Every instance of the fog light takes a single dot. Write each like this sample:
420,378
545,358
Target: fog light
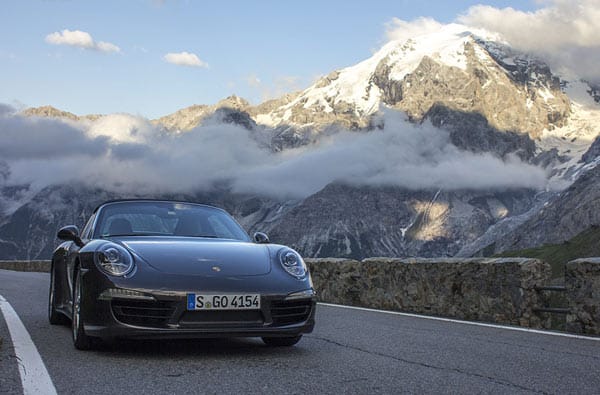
309,293
120,293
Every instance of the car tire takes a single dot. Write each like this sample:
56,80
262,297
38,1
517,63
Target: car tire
281,341
81,341
55,317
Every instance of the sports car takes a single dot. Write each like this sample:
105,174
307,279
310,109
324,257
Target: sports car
169,269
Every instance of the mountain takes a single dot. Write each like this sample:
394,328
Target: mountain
233,110
360,222
573,210
52,112
489,98
453,68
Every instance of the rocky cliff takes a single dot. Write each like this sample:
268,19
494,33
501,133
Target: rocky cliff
358,222
562,217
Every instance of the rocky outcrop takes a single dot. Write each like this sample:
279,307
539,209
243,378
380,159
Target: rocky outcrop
566,214
493,290
485,88
52,112
472,132
357,222
593,152
582,280
233,109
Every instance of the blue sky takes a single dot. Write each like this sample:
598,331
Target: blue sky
253,49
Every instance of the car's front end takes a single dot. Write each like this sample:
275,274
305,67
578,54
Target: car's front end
156,286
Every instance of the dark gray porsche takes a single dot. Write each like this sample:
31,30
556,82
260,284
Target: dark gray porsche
166,269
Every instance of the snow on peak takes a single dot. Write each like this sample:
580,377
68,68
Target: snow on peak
445,44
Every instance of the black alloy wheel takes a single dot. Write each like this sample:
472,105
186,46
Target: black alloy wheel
80,340
54,316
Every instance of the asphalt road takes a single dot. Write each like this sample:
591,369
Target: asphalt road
350,351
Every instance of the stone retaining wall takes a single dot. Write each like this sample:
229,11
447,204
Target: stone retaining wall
493,290
498,290
26,266
582,280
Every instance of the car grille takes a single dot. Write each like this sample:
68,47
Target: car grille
290,312
143,313
222,318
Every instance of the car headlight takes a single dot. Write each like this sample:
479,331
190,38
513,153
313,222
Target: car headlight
292,263
114,259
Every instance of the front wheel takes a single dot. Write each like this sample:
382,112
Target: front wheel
281,341
81,341
54,316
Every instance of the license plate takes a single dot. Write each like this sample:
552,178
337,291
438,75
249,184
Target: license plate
223,302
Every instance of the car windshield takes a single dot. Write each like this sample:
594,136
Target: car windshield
147,218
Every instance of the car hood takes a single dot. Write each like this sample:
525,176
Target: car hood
198,256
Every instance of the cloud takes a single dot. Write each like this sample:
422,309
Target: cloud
402,154
23,138
80,39
253,81
401,30
185,59
565,32
5,109
129,154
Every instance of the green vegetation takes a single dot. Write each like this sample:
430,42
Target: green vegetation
585,244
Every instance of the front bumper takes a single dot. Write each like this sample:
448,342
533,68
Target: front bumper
165,315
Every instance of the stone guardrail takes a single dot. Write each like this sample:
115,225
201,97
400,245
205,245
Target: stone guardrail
499,290
26,266
582,280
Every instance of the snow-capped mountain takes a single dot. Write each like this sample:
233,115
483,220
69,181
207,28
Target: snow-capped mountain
456,68
489,98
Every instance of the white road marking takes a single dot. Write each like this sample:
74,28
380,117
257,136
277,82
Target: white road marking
510,328
34,376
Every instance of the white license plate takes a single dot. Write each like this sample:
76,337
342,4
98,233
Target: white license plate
223,302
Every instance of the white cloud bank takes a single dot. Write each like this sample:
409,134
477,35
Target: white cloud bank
565,32
185,59
129,154
80,39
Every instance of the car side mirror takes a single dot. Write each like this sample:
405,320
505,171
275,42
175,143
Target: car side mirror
261,238
70,233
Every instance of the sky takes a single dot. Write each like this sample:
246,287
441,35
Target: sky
151,58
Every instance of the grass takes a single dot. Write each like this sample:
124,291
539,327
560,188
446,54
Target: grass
586,244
